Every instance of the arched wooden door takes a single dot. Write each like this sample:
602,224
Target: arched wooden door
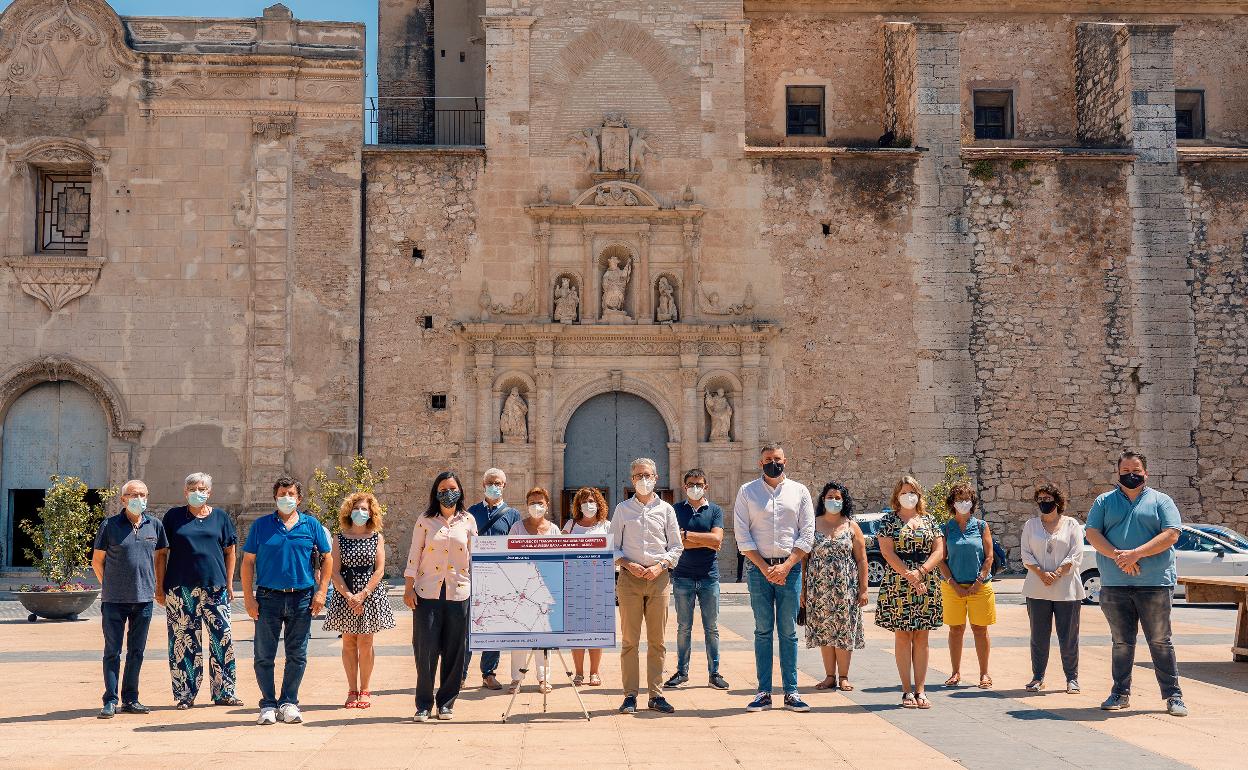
604,435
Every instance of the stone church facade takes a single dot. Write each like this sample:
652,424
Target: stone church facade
880,233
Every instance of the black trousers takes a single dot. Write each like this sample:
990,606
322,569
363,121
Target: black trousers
1042,614
439,636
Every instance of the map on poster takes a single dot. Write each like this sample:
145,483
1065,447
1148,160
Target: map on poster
544,592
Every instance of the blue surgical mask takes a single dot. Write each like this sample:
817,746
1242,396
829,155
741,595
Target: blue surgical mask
360,517
494,492
137,505
197,498
833,506
287,504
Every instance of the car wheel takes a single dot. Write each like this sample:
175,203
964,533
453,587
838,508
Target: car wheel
1091,586
875,572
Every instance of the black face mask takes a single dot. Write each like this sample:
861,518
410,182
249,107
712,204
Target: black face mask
1130,480
1048,506
773,470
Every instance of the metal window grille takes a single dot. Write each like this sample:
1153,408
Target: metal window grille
994,115
64,219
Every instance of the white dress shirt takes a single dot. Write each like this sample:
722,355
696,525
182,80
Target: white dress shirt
646,534
1048,552
774,521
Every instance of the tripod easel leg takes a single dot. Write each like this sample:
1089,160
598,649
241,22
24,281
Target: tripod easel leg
568,673
528,662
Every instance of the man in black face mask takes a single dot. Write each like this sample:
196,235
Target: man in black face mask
1133,529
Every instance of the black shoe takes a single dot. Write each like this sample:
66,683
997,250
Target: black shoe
109,711
660,704
134,707
629,706
227,701
677,680
718,682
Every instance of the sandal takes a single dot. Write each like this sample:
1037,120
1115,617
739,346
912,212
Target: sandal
844,686
954,680
228,700
515,687
921,701
985,682
363,702
828,683
1035,685
908,701
353,697
594,680
578,680
544,687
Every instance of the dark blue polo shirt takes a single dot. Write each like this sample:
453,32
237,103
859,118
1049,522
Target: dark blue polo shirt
129,558
698,563
197,548
284,556
502,515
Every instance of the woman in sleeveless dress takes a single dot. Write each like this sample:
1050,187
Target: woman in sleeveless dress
834,586
360,606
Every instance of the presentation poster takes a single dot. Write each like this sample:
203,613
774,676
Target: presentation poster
547,592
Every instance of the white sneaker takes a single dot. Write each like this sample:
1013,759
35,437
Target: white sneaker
268,716
289,713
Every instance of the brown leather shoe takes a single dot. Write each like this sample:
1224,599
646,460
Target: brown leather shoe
490,682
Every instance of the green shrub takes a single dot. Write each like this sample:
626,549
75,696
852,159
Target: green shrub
325,495
955,472
65,530
982,170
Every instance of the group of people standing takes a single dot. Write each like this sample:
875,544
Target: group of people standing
807,565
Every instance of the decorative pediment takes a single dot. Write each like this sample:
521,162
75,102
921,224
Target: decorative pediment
55,280
616,194
65,49
54,152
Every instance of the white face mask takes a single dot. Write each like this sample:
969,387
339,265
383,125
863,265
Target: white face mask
287,503
697,492
645,486
537,511
589,509
962,506
908,500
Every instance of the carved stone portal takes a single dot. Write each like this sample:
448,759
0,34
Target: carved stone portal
513,423
56,280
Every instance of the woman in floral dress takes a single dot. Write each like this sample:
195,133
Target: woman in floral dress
834,586
909,601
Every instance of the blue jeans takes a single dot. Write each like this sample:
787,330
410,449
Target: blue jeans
775,607
706,592
1128,609
288,615
114,618
489,663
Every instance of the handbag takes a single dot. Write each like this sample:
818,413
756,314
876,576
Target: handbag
801,610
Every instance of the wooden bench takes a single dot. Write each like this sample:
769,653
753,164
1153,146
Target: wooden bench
1224,590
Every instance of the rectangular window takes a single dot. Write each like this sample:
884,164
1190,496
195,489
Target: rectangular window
804,110
64,216
1189,114
994,114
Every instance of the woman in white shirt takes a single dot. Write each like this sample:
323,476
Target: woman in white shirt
589,517
1052,546
534,522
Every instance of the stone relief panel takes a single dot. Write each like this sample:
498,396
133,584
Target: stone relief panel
63,50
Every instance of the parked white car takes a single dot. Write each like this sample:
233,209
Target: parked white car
1196,553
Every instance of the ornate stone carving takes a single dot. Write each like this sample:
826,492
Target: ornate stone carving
58,152
713,305
63,50
613,148
614,289
21,378
272,128
245,208
543,195
720,412
55,280
614,195
513,423
521,303
665,310
513,348
585,145
614,348
720,349
567,301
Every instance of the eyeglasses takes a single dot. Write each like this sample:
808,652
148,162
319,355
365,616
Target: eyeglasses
640,476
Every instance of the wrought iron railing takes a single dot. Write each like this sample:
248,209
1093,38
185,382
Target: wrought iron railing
443,120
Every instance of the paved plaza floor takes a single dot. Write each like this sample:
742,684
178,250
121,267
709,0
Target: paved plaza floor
51,684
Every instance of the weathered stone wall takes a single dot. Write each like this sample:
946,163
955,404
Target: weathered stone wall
1050,334
1209,55
1100,90
900,93
1218,200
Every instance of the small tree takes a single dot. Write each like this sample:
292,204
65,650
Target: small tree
325,495
66,529
955,472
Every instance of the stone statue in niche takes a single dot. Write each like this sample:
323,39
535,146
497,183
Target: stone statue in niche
720,411
514,420
614,288
666,311
567,301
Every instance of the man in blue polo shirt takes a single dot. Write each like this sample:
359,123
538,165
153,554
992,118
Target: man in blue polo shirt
125,563
282,594
494,518
696,577
1133,529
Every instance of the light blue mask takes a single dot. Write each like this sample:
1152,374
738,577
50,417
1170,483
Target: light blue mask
360,517
197,498
833,506
287,504
494,492
137,505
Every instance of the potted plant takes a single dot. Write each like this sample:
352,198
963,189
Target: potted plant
63,536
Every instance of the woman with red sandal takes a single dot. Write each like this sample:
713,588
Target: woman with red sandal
360,606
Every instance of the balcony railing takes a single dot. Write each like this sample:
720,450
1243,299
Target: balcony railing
442,120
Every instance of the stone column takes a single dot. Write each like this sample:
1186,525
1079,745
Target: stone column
591,293
721,68
690,417
693,273
545,286
484,375
645,292
544,421
507,84
925,65
748,407
1125,92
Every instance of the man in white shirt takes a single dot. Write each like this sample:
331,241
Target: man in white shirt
647,547
774,522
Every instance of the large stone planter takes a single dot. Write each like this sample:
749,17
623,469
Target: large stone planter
56,605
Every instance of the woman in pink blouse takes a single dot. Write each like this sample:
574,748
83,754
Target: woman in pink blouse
437,589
